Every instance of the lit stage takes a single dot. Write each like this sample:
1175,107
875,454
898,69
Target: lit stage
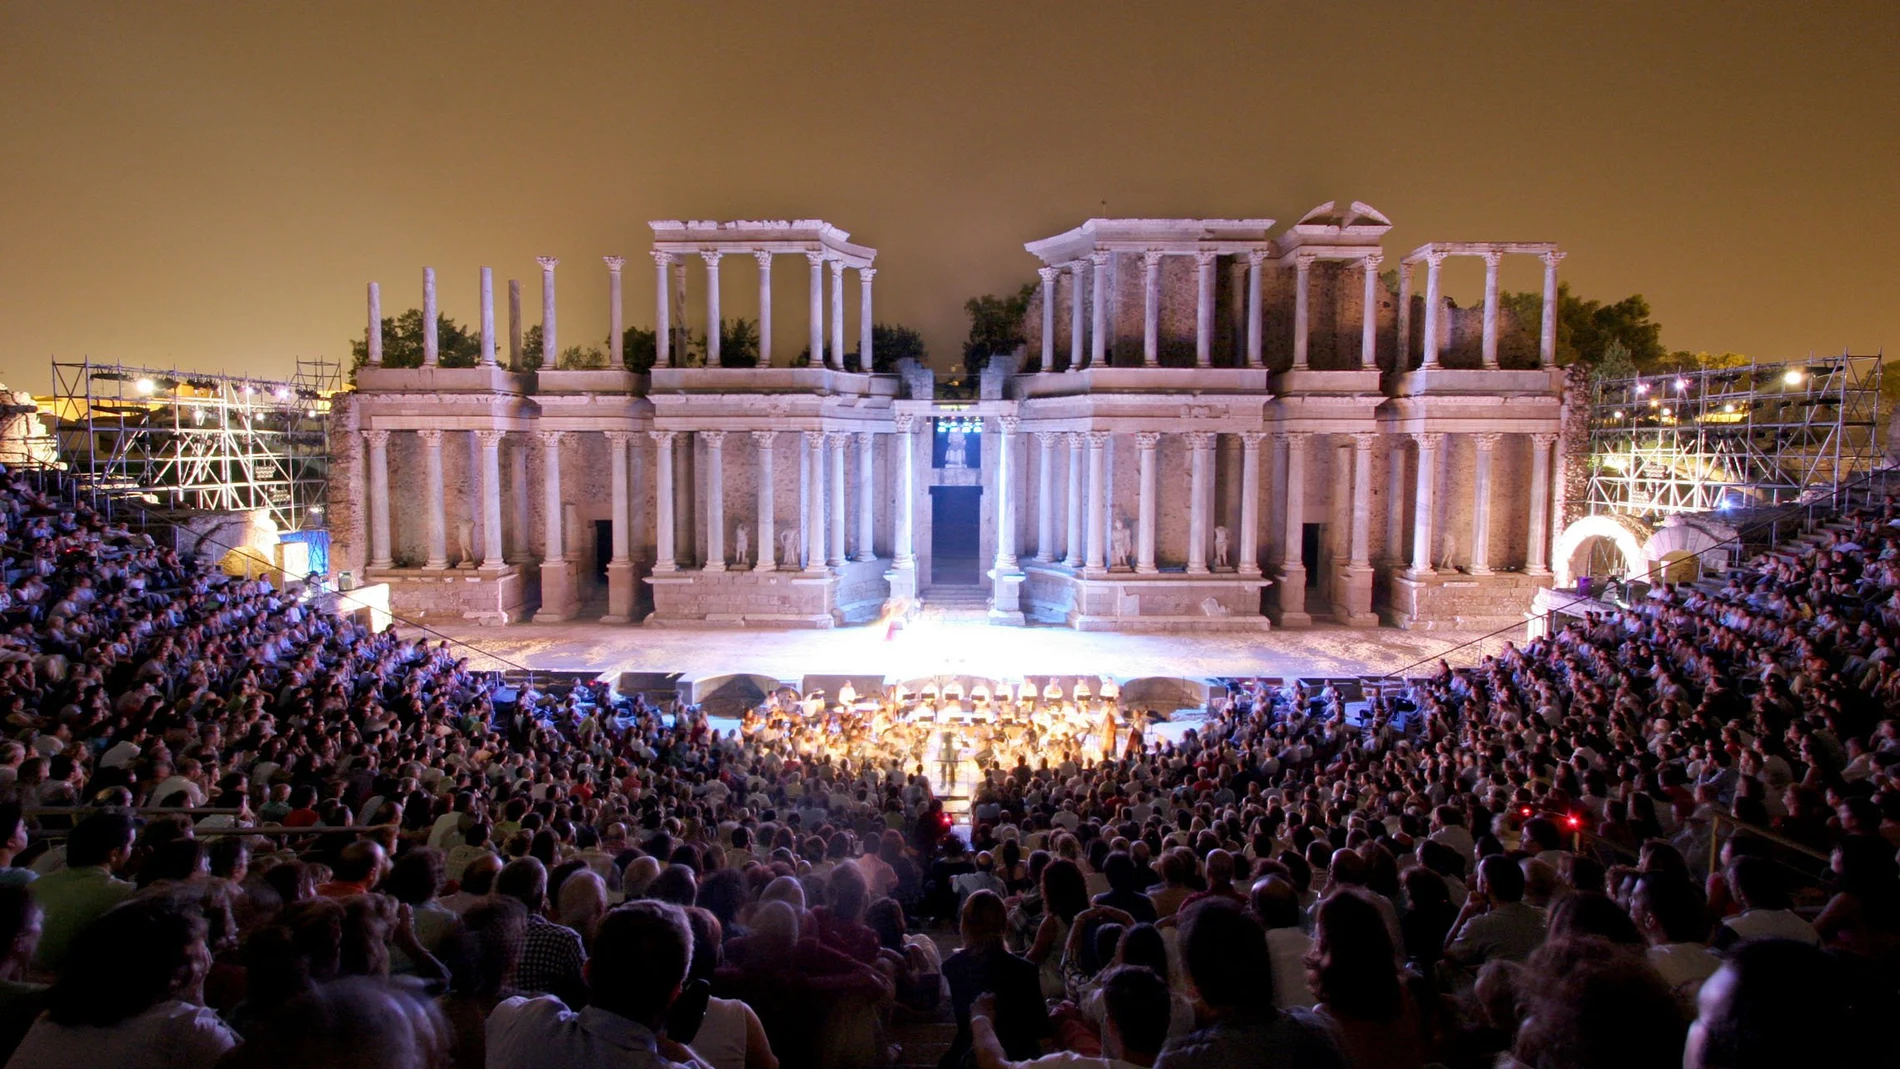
931,647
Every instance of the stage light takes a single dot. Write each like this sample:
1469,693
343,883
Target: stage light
146,386
1642,387
1667,411
1682,385
1618,414
1573,822
1524,812
1792,376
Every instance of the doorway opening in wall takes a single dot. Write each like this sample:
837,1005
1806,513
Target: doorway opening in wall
1310,535
956,535
603,548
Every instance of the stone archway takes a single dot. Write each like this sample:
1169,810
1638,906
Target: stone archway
1703,540
1625,534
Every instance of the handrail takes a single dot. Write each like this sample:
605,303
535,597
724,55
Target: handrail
1715,841
262,829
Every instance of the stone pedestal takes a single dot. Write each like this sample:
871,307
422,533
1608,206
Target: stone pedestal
1006,605
1352,596
620,580
1455,601
559,583
494,596
813,598
1171,602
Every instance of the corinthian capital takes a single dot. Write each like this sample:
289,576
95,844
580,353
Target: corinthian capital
1428,439
903,421
713,439
377,439
548,263
614,263
1146,441
490,439
664,438
765,439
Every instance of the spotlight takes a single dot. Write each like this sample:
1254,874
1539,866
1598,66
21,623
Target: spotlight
1667,411
1792,376
1682,385
1642,387
1728,407
1618,414
146,386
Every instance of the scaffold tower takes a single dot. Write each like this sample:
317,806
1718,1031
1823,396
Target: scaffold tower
1746,436
172,440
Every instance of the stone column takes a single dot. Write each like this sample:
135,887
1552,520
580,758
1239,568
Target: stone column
490,441
1302,319
432,491
1145,503
765,538
1536,557
373,338
1074,548
1204,309
1481,504
865,322
430,352
1403,361
557,582
379,556
1005,497
1395,505
620,568
1433,261
616,316
1078,285
1096,561
1098,311
814,503
1253,308
904,552
1547,323
817,314
1360,552
867,497
1422,505
663,525
835,556
1151,309
715,560
514,324
1490,337
1201,445
518,498
837,313
1249,560
1292,577
488,317
713,315
1045,495
1369,319
550,343
764,259
1048,277
663,310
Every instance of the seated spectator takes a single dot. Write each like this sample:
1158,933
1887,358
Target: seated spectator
1778,1002
1137,1012
552,955
1495,924
1669,911
1372,1006
985,966
1588,1004
1757,887
79,894
130,995
356,1023
20,1001
730,1035
1276,905
1124,892
1225,952
642,953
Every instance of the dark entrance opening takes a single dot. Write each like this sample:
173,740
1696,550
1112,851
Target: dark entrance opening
603,548
1309,552
956,535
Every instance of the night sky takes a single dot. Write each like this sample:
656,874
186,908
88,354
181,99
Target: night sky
210,185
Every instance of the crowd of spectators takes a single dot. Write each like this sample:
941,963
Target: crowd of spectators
239,829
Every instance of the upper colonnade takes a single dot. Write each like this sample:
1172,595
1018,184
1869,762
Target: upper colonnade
819,242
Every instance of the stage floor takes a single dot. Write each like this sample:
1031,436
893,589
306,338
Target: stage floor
933,647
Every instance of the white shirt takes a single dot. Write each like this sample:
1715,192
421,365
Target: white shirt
542,1033
1683,964
721,1040
1773,924
1287,949
170,1034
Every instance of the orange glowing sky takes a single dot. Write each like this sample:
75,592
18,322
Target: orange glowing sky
209,185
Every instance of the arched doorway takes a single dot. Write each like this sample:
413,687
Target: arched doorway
1679,566
1601,547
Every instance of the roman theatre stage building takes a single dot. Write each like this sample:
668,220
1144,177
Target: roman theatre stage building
1213,426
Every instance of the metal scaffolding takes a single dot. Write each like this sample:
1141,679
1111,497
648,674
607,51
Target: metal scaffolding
1749,436
190,441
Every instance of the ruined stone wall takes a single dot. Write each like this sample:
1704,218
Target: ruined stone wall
346,508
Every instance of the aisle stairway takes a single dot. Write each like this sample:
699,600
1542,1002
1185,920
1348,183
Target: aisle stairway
956,603
923,1039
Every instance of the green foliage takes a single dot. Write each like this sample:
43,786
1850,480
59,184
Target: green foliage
996,326
575,358
531,349
640,349
890,342
739,343
402,343
1587,329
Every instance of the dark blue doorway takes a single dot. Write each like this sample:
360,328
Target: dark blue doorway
956,535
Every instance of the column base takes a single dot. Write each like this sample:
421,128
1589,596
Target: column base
436,565
715,566
1536,569
1147,569
382,565
1291,609
1006,607
1475,570
1352,596
1248,572
619,592
865,558
558,602
1198,569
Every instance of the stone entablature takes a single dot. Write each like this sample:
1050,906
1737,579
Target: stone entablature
1112,495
